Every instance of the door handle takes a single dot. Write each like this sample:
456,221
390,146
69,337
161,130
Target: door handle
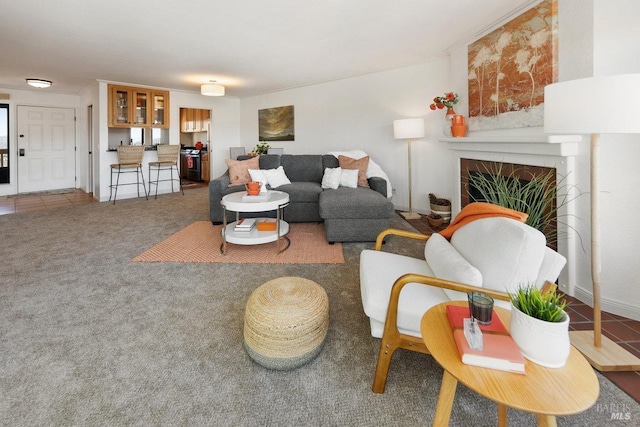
21,152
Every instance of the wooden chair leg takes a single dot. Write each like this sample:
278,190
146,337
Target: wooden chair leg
387,348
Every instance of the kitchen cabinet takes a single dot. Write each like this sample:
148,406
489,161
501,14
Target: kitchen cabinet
205,167
194,120
186,120
204,120
160,109
138,107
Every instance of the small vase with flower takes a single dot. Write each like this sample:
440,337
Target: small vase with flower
447,101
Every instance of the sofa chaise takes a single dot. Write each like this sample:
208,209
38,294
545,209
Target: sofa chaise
349,214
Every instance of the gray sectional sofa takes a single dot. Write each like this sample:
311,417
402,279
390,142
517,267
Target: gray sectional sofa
349,214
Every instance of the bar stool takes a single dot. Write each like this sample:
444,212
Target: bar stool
168,156
129,161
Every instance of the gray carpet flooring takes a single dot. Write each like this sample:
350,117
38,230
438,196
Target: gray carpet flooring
89,338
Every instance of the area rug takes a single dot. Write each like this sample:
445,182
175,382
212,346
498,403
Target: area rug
200,242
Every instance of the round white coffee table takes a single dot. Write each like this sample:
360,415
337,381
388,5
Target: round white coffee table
239,202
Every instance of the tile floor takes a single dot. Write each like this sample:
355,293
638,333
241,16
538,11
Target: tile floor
623,331
56,199
42,201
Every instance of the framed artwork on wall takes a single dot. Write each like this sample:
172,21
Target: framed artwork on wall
509,68
276,124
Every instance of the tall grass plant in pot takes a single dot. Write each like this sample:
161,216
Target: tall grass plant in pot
541,197
540,326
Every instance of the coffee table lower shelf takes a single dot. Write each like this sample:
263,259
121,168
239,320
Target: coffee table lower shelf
255,237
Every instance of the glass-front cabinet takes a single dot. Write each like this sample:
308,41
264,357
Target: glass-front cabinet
160,111
119,106
141,116
137,106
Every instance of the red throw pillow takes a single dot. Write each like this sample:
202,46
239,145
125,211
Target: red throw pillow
239,170
360,164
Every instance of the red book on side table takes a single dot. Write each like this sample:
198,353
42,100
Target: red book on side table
499,350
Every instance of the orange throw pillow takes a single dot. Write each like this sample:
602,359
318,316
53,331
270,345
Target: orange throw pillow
360,164
239,170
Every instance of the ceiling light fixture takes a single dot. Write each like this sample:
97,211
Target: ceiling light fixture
39,83
212,89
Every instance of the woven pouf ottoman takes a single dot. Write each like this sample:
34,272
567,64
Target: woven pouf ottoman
286,322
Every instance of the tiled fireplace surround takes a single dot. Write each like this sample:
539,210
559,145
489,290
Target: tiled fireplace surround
537,150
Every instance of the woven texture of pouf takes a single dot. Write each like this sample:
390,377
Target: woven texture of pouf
286,322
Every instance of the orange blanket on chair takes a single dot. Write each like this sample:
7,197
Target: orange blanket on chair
478,210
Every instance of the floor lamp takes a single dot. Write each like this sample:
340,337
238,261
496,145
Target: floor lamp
409,129
582,107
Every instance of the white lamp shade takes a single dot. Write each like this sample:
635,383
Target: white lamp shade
211,89
408,128
603,104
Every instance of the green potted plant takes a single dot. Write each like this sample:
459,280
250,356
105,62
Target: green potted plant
541,197
540,325
262,148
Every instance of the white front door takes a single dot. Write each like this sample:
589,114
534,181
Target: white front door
46,149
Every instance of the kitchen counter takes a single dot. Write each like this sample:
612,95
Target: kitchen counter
147,148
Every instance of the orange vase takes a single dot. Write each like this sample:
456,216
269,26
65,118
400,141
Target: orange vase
458,126
446,129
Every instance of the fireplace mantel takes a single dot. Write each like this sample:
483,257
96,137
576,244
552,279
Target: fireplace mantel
552,151
539,144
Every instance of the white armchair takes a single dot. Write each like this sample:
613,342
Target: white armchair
491,255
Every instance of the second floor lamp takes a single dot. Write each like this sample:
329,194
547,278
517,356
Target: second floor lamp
409,129
581,107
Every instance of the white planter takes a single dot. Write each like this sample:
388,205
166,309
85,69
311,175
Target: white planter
544,343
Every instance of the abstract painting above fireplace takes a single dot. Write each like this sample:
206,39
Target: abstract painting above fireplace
509,68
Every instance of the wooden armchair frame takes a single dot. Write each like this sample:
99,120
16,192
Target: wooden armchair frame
392,339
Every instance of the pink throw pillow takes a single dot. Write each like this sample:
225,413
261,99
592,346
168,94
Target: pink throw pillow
360,164
239,170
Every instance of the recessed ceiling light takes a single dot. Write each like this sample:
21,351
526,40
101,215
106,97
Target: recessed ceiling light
39,83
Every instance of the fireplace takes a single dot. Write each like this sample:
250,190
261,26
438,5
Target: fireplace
536,154
526,175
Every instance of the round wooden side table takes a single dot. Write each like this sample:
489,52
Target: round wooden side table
546,392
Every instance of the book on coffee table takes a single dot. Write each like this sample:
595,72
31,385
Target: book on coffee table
499,350
261,197
245,224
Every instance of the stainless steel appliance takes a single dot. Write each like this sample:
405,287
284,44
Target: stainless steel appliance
191,164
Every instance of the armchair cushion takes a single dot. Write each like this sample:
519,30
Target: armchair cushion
447,263
551,267
506,251
378,271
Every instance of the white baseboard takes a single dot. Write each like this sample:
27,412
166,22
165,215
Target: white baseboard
613,307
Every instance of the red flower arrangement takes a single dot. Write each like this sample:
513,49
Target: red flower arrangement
448,100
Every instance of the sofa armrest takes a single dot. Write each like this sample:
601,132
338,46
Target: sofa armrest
216,190
378,184
400,233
